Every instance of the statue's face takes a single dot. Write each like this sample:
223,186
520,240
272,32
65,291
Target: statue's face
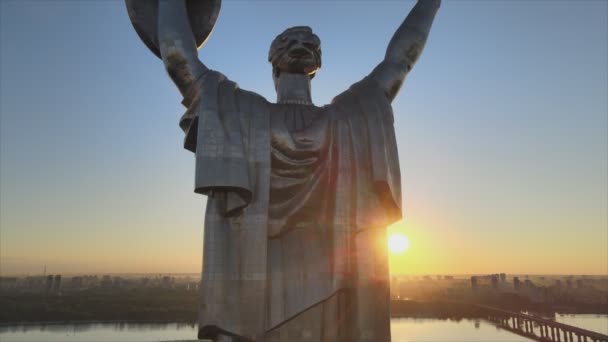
297,50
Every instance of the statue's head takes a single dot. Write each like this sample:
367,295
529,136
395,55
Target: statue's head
297,50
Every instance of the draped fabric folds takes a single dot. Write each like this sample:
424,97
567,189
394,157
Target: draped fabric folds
298,201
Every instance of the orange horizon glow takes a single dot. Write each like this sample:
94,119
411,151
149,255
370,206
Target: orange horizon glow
431,250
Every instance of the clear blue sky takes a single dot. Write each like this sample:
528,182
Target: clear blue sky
502,132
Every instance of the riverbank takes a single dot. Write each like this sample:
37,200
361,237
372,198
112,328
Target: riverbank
141,305
157,305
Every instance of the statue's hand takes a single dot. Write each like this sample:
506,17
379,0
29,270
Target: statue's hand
177,43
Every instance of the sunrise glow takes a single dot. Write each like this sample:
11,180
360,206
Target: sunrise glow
398,243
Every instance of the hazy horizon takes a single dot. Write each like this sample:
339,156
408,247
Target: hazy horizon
457,275
502,130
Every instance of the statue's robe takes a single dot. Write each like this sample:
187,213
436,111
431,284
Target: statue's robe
299,198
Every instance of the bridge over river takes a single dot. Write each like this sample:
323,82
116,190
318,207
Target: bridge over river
538,328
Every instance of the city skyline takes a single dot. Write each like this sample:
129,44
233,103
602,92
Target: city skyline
501,128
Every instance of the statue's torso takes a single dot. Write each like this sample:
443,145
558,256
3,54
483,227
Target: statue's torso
298,150
287,251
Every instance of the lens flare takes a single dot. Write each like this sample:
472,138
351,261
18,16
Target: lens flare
398,243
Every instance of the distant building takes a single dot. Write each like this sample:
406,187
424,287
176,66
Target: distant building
118,282
57,283
474,285
106,282
494,280
579,283
516,283
49,282
503,277
76,283
36,283
91,281
167,282
8,283
192,286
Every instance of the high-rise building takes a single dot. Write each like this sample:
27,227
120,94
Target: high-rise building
49,282
516,283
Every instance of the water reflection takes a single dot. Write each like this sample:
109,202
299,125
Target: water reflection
98,332
402,330
461,330
597,323
83,327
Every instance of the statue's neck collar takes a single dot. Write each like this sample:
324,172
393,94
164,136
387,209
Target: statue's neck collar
293,88
300,102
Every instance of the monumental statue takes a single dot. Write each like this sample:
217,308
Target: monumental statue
298,195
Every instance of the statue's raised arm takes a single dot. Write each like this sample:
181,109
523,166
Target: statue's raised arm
177,45
173,30
405,47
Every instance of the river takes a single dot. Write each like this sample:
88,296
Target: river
402,330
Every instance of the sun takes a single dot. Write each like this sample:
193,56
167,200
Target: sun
398,243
